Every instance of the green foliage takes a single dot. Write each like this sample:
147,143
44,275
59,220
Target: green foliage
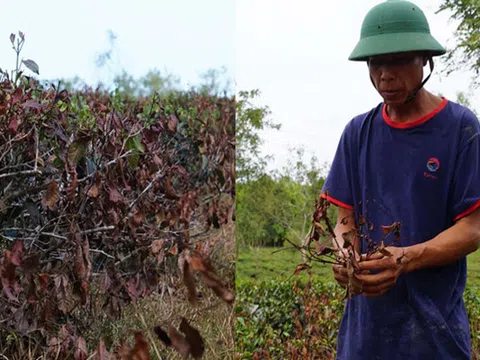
265,264
464,99
273,319
279,320
250,120
279,206
466,52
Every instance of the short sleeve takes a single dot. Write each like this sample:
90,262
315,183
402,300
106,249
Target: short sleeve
337,188
465,192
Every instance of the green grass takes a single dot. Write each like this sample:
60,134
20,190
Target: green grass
259,264
473,269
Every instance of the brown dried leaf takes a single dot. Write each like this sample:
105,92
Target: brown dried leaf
63,290
189,281
179,342
141,350
172,123
124,352
169,190
388,229
160,217
157,160
349,238
194,339
44,281
94,191
210,277
73,186
81,352
8,276
17,253
102,353
157,245
113,194
131,287
174,250
51,196
301,268
137,219
162,335
323,249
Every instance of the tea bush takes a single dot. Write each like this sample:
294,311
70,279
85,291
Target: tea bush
300,320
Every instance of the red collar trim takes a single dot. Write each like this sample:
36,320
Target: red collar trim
411,124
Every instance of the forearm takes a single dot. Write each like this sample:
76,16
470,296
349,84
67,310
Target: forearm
345,223
447,247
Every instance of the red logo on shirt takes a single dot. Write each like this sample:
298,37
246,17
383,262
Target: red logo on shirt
433,164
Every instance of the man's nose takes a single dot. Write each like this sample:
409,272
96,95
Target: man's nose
386,74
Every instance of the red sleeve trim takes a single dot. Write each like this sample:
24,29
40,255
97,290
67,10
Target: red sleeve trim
337,202
468,211
414,123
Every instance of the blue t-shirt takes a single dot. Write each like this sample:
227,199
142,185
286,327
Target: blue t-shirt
425,174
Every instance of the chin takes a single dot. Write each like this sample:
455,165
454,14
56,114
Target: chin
398,100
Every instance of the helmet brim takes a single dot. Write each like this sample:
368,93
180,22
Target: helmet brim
391,43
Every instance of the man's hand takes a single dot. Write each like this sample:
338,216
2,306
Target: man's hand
340,273
388,268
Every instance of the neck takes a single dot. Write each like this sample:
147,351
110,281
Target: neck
423,103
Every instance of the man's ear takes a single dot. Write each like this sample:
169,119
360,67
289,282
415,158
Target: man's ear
425,60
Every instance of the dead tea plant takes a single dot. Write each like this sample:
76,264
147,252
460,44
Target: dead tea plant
101,196
322,245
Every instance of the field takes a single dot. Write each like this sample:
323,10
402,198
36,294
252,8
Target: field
281,316
263,264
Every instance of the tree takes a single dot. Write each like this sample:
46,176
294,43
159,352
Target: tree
464,99
466,52
279,205
250,119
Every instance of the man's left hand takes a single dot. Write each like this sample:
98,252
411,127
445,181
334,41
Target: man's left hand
388,267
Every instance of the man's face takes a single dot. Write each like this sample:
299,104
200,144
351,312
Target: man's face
396,75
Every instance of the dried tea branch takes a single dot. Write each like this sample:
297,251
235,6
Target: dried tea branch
327,248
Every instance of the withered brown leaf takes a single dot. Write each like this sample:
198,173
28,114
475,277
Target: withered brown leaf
349,238
300,268
194,339
189,281
73,186
81,350
179,342
162,335
94,191
113,194
63,290
157,245
141,350
388,229
51,196
102,353
172,123
210,278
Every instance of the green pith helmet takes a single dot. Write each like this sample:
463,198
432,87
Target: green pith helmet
395,26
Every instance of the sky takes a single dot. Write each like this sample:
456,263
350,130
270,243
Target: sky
296,54
64,37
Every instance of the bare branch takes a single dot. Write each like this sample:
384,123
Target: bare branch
20,173
100,229
158,175
103,253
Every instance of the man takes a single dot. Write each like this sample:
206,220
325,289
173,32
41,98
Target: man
413,159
